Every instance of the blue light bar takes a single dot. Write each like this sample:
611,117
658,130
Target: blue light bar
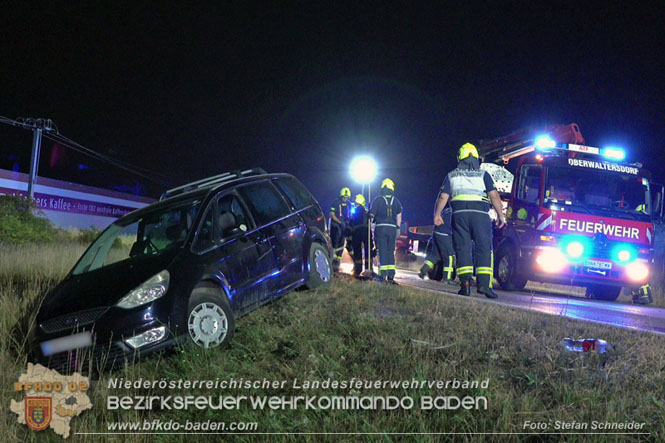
543,142
613,153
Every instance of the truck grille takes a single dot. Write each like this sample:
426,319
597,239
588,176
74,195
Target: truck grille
73,320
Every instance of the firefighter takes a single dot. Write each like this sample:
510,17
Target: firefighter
470,190
386,210
361,238
340,214
440,248
642,295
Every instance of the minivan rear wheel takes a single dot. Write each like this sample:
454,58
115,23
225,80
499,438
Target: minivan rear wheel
320,267
210,321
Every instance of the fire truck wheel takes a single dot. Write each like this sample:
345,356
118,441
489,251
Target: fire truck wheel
505,270
603,292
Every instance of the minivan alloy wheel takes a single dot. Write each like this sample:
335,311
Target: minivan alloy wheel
207,325
322,265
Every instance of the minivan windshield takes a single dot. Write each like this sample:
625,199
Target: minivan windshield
597,190
150,234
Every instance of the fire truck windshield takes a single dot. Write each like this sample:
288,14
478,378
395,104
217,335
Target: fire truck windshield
600,190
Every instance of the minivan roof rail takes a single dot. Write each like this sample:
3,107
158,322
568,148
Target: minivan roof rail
212,181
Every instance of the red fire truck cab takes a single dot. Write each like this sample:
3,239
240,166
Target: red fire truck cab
577,215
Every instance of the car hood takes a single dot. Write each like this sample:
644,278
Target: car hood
104,286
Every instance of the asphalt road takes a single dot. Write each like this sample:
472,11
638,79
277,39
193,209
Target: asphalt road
643,318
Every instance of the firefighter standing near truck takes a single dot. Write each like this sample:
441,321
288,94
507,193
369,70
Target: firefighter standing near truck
470,190
360,235
440,247
386,210
340,214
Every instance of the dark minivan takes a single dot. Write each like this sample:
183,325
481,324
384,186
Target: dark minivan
185,268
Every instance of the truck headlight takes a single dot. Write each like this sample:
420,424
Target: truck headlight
149,290
637,271
552,260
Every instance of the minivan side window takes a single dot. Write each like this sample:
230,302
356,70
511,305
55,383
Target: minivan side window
299,196
265,202
223,220
231,217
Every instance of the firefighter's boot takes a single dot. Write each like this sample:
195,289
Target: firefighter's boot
465,288
425,269
487,292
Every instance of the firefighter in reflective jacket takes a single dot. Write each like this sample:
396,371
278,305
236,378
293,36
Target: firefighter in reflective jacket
470,190
440,247
360,235
340,214
386,211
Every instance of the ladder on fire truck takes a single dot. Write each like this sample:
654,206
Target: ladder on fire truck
520,142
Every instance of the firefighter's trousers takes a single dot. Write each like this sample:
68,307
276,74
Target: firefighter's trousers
337,238
476,225
440,247
361,244
385,242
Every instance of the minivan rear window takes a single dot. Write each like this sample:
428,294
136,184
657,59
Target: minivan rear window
265,202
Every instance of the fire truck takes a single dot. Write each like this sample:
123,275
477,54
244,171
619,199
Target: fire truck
576,215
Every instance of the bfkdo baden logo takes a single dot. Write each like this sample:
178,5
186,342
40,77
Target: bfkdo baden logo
38,412
51,400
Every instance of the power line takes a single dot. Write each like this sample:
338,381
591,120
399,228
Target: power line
163,180
50,131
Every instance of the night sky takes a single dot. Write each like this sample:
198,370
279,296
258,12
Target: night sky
197,90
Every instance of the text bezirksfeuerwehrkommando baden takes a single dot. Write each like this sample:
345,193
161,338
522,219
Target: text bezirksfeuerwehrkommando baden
241,383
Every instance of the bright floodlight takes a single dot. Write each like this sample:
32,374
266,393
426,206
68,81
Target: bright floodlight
363,169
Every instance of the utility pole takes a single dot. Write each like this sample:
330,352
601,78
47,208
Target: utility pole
37,126
34,160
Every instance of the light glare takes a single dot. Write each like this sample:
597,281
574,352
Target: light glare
363,169
544,142
637,271
552,261
575,249
614,153
624,255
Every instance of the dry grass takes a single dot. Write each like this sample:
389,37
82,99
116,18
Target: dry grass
375,332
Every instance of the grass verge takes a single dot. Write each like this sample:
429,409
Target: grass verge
367,331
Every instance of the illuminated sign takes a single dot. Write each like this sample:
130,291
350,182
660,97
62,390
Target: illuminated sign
593,227
602,166
582,148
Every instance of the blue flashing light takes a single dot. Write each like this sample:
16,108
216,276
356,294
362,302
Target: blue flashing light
544,142
624,254
575,247
613,153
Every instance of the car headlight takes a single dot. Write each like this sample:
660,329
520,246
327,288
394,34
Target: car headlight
149,290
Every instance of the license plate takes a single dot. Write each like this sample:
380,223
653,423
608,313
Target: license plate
597,264
81,340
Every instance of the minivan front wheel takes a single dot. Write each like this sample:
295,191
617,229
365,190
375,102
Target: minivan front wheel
210,321
320,267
